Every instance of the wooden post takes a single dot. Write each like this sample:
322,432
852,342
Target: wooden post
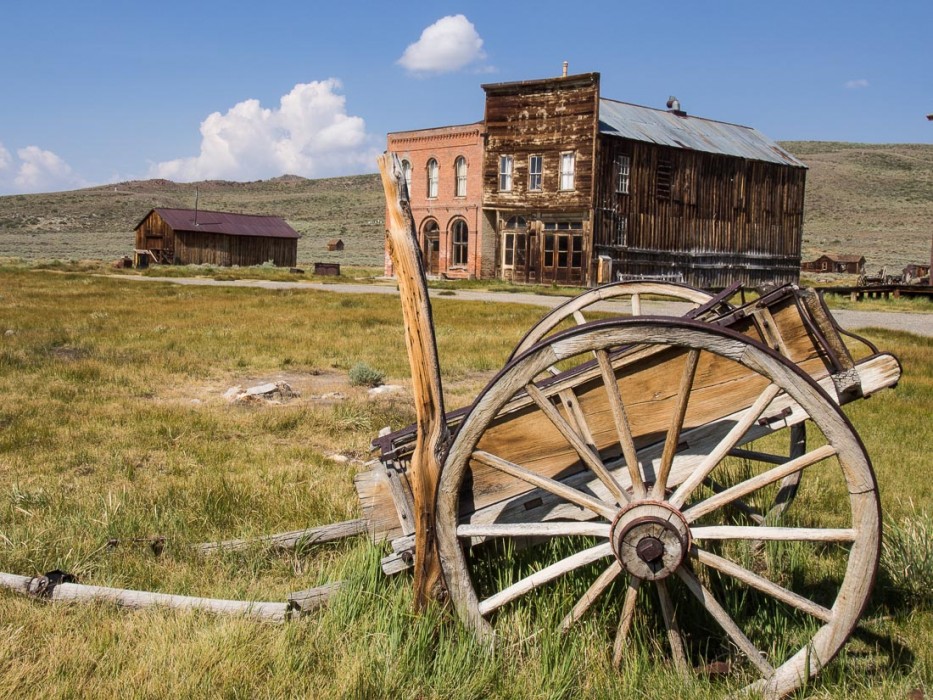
433,436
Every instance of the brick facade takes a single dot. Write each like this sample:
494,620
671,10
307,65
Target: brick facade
442,218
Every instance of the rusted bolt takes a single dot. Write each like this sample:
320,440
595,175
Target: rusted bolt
649,549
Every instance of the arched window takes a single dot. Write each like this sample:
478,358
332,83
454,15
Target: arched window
460,172
516,222
406,170
460,242
432,178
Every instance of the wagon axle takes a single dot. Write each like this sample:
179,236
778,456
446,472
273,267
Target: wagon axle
650,539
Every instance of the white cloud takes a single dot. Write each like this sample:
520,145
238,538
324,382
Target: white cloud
310,134
35,170
448,45
856,84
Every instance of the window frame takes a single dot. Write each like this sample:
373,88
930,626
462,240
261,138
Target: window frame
432,170
406,172
623,173
459,249
535,177
506,174
460,179
567,178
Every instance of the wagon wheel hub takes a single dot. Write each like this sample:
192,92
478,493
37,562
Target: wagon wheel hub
650,539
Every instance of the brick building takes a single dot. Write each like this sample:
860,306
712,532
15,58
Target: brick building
443,170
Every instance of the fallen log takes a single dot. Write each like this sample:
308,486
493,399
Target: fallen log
60,587
290,540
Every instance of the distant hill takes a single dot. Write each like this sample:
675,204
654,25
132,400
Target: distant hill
873,200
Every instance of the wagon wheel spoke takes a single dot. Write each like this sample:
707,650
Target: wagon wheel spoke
752,512
775,534
674,637
719,614
756,482
579,318
625,620
636,304
551,529
762,584
623,428
677,423
679,497
601,583
587,454
552,486
539,578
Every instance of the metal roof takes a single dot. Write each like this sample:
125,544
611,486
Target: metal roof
225,223
680,130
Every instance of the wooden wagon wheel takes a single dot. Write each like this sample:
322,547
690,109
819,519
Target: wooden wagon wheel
615,525
634,291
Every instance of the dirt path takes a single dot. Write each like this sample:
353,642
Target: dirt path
919,324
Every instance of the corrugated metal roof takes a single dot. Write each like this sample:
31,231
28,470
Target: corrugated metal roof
693,133
226,223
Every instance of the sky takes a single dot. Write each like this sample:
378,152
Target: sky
102,91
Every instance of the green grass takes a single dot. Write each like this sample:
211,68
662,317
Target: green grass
112,426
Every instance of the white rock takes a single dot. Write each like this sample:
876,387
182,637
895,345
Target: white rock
233,392
385,431
385,389
261,389
338,458
9,331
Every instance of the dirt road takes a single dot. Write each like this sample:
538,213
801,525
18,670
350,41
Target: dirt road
919,324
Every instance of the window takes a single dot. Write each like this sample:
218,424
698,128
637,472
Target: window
505,173
461,242
665,176
535,164
406,171
623,168
432,178
460,173
621,230
566,171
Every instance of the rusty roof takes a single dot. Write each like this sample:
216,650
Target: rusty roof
225,223
679,130
843,257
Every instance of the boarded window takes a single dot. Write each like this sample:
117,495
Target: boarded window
621,230
665,176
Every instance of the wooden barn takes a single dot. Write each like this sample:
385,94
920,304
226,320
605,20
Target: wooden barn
580,189
197,237
834,262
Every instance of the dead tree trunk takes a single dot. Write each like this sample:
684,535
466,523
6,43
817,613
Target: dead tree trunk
432,436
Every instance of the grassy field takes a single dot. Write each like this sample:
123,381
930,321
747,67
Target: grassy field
868,199
113,426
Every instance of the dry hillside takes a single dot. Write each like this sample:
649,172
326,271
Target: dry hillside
874,200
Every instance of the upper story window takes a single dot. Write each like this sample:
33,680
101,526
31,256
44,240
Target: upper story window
459,242
665,176
432,178
460,173
505,173
567,163
535,167
623,172
406,171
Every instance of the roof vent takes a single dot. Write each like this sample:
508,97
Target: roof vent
566,66
673,104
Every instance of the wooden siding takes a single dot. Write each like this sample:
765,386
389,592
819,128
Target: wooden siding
155,235
196,248
710,218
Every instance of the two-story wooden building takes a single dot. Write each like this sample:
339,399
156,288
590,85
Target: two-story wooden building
569,177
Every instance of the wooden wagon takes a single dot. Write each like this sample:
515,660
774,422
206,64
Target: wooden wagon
636,452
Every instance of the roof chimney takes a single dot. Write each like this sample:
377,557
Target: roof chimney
673,104
566,66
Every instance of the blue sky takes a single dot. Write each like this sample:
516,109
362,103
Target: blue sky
99,91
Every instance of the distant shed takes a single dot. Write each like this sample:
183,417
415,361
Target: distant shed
334,244
189,237
831,262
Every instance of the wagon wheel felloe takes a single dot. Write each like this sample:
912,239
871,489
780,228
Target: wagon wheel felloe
625,504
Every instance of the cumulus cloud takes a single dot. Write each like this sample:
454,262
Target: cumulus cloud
856,84
35,170
448,45
309,134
